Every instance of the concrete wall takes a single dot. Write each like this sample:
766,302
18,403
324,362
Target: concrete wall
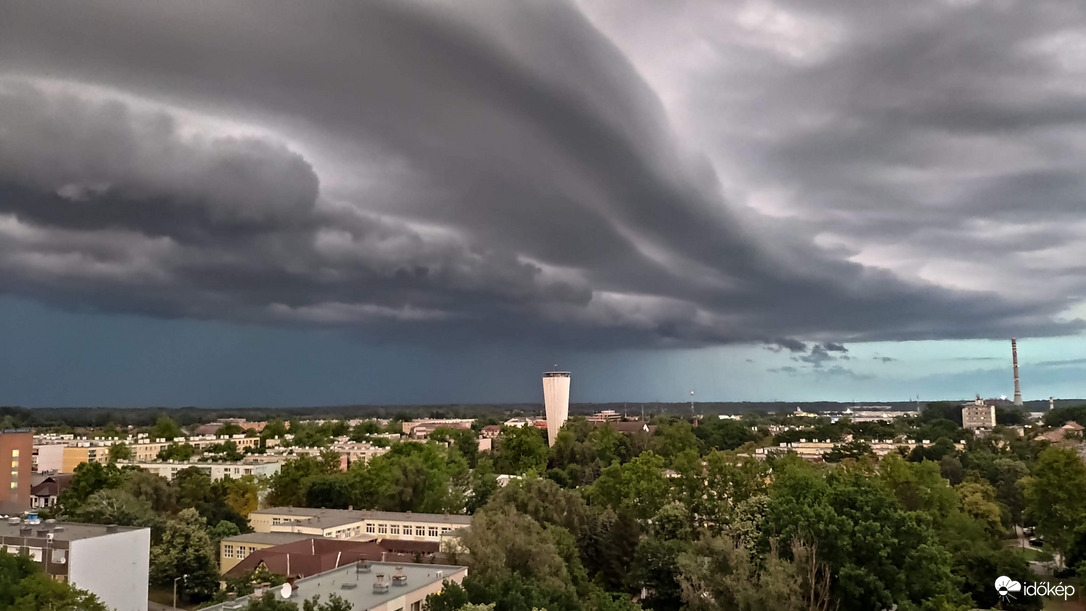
50,457
114,567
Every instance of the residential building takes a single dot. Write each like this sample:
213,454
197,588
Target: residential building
48,457
421,429
369,586
814,449
1061,434
348,523
607,415
47,488
110,562
979,415
16,459
233,550
252,465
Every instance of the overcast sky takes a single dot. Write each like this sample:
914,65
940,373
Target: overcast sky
231,203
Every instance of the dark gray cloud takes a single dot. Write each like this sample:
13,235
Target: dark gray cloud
469,168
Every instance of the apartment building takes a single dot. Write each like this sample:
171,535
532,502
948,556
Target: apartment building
16,459
979,414
814,449
111,562
347,523
372,586
258,466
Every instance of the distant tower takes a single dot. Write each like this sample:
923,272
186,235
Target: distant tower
1014,359
555,401
1051,403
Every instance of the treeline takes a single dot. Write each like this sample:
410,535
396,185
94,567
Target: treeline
696,527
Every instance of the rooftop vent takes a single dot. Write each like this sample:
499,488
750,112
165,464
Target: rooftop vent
349,585
380,586
364,567
399,579
14,520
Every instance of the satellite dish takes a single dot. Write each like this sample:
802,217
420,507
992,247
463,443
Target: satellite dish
285,591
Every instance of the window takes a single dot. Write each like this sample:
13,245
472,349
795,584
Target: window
14,485
382,529
416,606
369,528
395,529
445,529
251,549
228,551
432,531
420,531
407,529
35,553
15,464
275,521
15,453
60,556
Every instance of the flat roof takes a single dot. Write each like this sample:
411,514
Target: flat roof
357,588
67,531
276,538
354,515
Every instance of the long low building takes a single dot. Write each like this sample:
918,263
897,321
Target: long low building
349,523
233,550
217,470
815,449
366,586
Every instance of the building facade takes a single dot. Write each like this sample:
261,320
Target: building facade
216,470
978,415
233,550
16,463
349,524
111,562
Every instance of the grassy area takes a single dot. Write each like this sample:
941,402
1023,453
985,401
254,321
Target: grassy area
1033,554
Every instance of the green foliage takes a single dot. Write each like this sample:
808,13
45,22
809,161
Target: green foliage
116,506
186,549
177,451
1062,415
88,478
725,434
165,428
230,428
638,487
1055,495
119,451
519,450
853,450
23,587
462,441
288,486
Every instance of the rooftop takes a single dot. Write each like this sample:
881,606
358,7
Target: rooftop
267,538
356,514
356,584
61,531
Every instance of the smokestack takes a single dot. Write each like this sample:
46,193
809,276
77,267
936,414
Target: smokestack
1051,403
1014,358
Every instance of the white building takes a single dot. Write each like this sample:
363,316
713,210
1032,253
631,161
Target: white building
111,562
555,401
217,470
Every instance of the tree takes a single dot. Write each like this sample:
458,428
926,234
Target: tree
115,506
243,494
186,549
165,428
1056,495
519,450
228,429
854,450
718,574
153,489
119,451
23,587
288,485
463,441
638,487
177,451
89,477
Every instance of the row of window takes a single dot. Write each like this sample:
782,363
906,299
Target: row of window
228,551
57,556
394,529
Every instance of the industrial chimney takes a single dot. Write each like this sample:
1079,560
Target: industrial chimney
1014,359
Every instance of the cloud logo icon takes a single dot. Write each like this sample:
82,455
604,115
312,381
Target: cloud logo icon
1005,585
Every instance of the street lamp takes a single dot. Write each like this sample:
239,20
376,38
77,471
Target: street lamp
185,577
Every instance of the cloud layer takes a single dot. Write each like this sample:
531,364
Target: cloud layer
434,170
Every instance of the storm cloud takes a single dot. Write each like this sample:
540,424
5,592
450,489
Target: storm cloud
839,173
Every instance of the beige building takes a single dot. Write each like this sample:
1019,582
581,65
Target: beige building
368,586
16,449
978,415
233,550
814,449
349,524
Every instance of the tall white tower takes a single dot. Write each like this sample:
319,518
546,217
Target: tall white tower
555,401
